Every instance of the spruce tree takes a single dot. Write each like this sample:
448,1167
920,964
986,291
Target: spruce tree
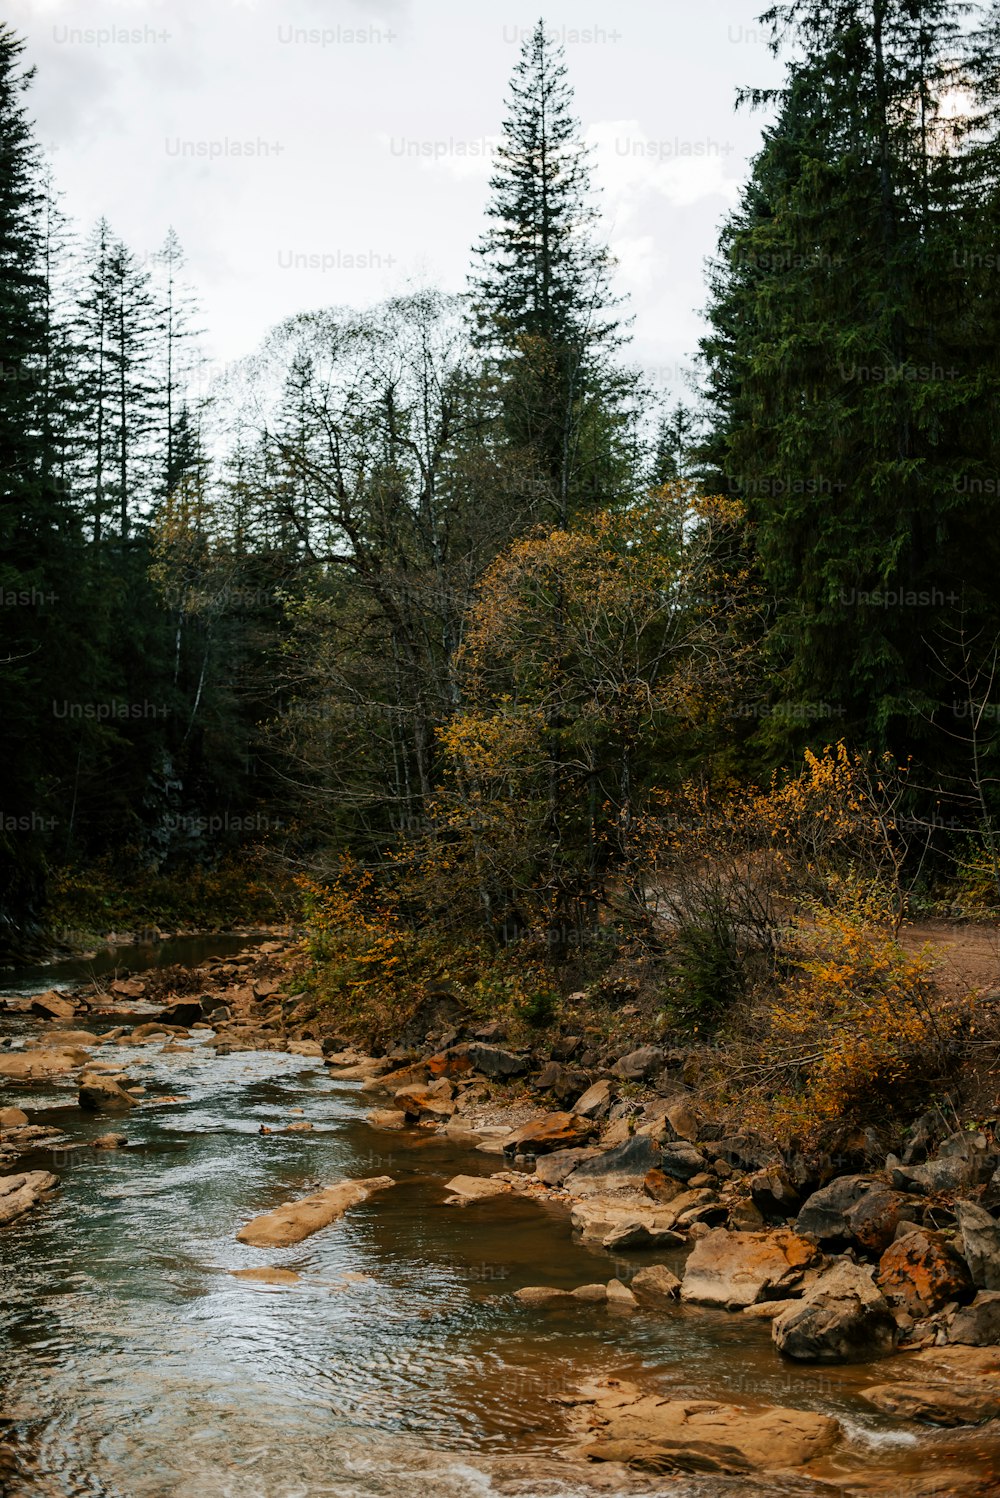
848,380
543,306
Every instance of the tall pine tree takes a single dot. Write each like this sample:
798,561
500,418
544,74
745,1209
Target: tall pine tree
542,299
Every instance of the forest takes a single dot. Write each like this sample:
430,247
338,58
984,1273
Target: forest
429,620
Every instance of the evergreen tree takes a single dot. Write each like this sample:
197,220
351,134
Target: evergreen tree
542,299
848,379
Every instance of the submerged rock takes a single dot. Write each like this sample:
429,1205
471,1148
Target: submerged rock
300,1219
654,1434
943,1386
466,1189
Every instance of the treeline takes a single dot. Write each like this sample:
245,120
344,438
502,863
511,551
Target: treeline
436,586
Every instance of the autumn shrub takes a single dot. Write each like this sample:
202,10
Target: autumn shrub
857,1034
376,967
120,893
726,871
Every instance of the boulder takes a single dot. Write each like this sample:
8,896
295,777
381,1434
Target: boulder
128,988
553,1169
773,1193
185,1012
431,1103
855,1210
946,1386
613,1170
655,1283
842,1318
682,1118
296,1220
978,1324
386,1118
563,1082
963,1160
640,1232
494,1062
104,1095
452,1063
739,1269
620,1297
595,1102
639,1065
466,1189
548,1132
920,1272
417,1074
681,1160
12,1118
19,1193
661,1187
980,1244
650,1433
615,1225
53,1005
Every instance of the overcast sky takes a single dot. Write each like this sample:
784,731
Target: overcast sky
312,152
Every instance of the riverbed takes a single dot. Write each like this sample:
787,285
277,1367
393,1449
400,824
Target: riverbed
136,1365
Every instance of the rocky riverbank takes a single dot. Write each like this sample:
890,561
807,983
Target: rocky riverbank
888,1267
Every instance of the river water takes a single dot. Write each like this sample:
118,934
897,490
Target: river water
134,1364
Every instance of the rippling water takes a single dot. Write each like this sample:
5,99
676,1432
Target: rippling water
135,1365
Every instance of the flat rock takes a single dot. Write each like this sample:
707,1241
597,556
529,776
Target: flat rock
615,1169
659,1435
305,1048
548,1132
33,1065
467,1189
739,1269
552,1170
19,1193
267,1276
620,1225
943,1386
297,1220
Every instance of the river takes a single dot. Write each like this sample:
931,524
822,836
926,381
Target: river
134,1364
